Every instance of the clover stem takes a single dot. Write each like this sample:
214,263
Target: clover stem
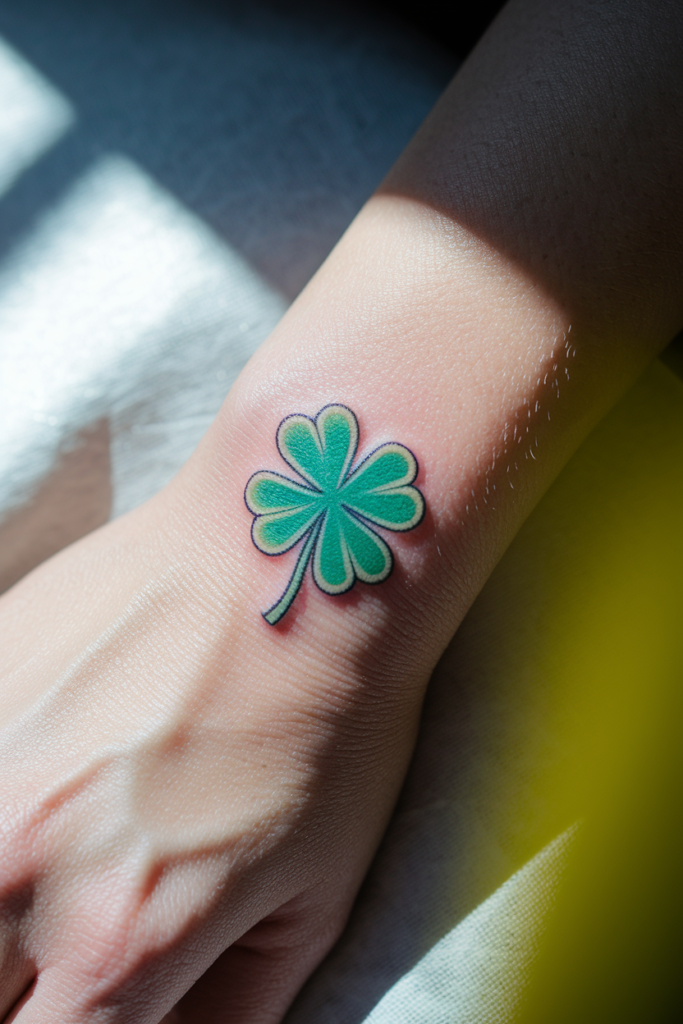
274,614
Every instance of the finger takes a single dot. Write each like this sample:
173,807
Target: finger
256,979
244,986
16,981
26,994
17,972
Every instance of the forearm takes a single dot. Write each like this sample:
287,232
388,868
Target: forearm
516,271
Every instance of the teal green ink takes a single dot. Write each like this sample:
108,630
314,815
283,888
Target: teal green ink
335,507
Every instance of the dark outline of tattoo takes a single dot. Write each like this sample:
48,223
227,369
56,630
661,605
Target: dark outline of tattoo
330,511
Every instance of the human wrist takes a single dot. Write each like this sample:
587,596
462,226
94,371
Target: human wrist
440,344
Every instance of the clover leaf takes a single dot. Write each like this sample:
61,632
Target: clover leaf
335,507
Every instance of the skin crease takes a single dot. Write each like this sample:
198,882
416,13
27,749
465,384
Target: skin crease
184,784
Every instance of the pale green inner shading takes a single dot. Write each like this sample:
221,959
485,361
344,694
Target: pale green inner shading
275,532
269,494
382,469
300,443
370,553
334,569
389,509
338,436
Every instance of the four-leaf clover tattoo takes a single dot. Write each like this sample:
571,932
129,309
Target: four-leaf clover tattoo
335,506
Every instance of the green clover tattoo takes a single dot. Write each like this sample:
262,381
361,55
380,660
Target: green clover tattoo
331,511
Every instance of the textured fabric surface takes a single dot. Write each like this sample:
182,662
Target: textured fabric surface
170,176
173,174
476,973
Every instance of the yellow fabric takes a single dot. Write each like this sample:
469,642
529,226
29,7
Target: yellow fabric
583,618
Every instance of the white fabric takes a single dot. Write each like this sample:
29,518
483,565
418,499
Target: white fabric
477,973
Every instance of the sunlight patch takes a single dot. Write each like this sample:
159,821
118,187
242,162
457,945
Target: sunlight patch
121,304
33,115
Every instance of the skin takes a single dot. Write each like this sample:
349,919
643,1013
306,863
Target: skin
183,784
